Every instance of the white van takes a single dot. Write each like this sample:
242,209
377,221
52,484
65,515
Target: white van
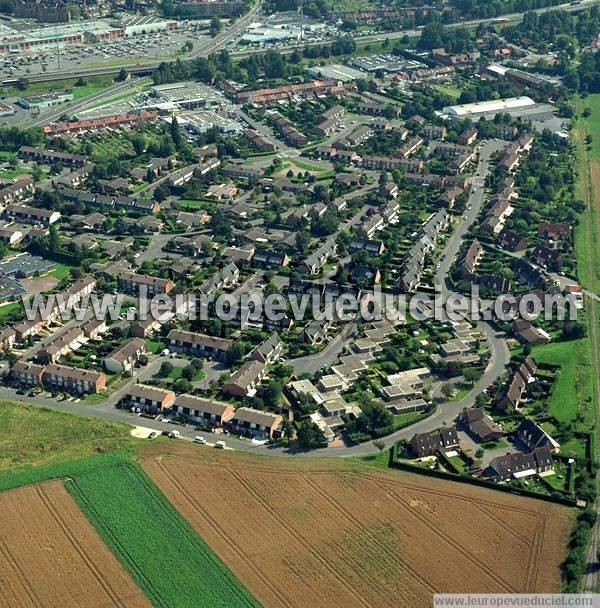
174,434
220,444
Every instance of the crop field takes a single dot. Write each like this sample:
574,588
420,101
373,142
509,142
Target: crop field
313,533
166,558
51,556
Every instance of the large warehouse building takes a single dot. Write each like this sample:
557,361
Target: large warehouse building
468,110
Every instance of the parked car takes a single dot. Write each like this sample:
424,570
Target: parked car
152,435
174,434
220,444
199,439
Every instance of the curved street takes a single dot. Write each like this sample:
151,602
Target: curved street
444,414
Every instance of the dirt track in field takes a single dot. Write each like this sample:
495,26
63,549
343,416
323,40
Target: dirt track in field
308,533
51,557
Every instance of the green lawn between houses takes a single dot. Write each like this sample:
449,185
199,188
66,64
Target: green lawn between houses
171,564
573,385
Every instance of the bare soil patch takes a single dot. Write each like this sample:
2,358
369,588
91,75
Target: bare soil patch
51,557
39,284
304,533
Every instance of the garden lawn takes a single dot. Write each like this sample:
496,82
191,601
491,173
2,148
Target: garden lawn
175,374
402,420
573,383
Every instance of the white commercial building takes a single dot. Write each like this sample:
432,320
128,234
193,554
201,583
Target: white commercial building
189,95
466,110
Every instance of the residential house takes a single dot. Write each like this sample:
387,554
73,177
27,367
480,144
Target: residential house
480,424
31,215
198,345
429,444
28,374
250,421
150,399
124,357
533,437
527,333
512,241
512,393
518,465
135,283
205,412
73,380
244,382
268,350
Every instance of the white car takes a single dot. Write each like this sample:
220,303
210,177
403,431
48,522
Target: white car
200,440
220,444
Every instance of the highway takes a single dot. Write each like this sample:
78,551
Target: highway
227,35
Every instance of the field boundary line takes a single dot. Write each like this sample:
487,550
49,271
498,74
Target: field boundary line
115,544
210,520
185,527
78,548
533,567
525,542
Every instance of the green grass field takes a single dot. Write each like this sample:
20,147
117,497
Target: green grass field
32,436
574,383
593,122
587,237
88,89
61,271
402,420
9,308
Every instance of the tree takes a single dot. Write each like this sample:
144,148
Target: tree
470,375
181,385
234,354
123,75
310,436
139,145
380,445
166,368
271,394
161,192
53,239
215,26
573,330
176,133
447,390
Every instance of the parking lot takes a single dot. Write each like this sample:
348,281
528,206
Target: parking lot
156,45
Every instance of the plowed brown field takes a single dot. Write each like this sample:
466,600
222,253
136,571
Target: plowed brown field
51,557
312,533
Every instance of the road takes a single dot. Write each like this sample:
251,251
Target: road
311,364
228,35
71,107
445,412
